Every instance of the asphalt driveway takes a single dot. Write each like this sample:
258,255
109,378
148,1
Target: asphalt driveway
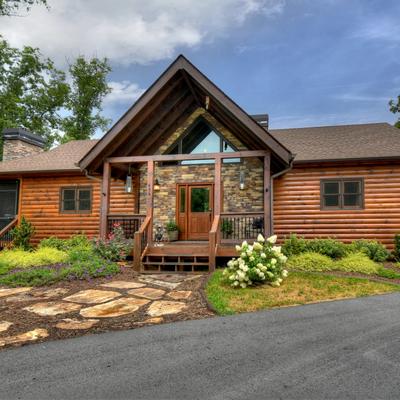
338,350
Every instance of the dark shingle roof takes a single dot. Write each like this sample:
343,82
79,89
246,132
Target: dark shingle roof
61,158
364,141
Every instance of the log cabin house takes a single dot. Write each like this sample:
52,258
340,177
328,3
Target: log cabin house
186,152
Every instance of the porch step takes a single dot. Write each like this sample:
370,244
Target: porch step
175,263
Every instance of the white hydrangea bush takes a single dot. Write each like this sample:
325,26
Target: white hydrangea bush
262,261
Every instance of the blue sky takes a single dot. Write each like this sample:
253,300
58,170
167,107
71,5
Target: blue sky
304,62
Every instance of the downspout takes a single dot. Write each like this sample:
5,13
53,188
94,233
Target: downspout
94,178
277,175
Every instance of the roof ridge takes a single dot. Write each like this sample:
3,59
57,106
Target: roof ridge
332,126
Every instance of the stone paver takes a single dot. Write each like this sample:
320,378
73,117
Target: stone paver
4,325
74,323
154,320
157,282
114,308
52,308
159,308
180,294
123,285
12,291
147,293
36,334
92,296
48,293
19,298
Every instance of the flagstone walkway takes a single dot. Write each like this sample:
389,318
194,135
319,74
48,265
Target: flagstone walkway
75,308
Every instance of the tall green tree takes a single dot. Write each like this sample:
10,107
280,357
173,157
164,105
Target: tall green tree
32,91
395,108
13,7
88,89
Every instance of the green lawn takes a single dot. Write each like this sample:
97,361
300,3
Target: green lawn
298,288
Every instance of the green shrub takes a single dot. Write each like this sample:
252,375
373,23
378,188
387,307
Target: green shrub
374,250
76,241
310,262
328,247
357,262
396,251
18,258
388,273
22,234
294,245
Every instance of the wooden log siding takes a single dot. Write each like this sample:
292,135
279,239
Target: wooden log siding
40,205
297,204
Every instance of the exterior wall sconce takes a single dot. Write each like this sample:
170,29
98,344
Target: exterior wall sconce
128,182
242,186
156,185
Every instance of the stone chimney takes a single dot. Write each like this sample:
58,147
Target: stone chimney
17,143
262,119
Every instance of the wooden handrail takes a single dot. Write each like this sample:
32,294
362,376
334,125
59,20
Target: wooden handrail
213,241
116,216
138,248
6,230
244,214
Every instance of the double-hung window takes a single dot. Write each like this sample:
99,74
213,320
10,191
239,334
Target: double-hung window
76,199
344,193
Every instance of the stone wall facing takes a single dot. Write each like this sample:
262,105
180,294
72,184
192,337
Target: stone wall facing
14,148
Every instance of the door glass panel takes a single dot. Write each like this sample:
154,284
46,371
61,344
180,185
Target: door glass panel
182,199
200,199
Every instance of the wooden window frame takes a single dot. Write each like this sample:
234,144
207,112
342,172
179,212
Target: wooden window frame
76,199
341,182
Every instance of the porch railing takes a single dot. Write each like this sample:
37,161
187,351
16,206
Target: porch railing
236,227
214,238
141,241
130,223
5,234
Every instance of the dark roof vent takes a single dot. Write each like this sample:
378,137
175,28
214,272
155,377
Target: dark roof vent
262,119
23,135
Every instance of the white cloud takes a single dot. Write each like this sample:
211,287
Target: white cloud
124,92
382,29
130,31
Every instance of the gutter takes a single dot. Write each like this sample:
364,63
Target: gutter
277,175
94,178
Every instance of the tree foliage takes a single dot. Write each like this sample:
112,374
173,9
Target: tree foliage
37,96
32,91
395,108
12,7
88,89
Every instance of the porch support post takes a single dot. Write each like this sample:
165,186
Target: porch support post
150,198
105,199
267,195
214,234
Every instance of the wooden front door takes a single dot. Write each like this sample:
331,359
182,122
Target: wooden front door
195,211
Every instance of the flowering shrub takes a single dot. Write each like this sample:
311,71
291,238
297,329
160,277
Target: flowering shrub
260,262
116,247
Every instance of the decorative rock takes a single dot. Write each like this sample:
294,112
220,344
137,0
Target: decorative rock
52,308
73,324
123,285
180,294
114,308
92,296
4,325
154,320
36,334
11,291
19,298
147,293
159,308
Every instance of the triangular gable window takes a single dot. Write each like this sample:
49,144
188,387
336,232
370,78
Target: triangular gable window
200,138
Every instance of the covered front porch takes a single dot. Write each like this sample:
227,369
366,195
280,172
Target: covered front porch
217,228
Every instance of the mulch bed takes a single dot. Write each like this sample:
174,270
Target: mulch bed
24,321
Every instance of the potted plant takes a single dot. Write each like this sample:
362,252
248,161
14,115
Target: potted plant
172,231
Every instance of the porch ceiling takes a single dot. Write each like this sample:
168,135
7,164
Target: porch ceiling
166,105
